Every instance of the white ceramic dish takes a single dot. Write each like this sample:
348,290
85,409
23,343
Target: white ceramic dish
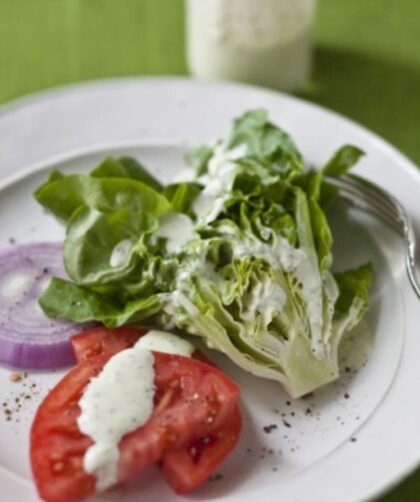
318,459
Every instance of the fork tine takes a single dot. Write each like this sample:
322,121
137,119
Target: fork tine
365,194
359,198
375,192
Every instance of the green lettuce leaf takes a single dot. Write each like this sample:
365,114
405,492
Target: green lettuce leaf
240,256
126,167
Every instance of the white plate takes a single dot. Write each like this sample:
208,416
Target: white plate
318,461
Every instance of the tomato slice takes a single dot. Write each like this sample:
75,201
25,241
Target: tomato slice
103,341
212,449
187,467
192,401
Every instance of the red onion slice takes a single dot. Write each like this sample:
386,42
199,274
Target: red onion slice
28,338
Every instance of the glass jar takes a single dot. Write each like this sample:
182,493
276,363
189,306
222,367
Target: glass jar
263,42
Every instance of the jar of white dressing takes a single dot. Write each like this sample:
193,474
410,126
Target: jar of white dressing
262,42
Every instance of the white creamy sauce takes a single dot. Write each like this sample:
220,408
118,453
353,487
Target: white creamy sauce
120,399
180,299
268,299
120,252
177,229
309,277
162,341
217,182
258,41
295,261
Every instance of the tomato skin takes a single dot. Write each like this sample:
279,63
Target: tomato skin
192,400
57,445
192,408
104,341
188,467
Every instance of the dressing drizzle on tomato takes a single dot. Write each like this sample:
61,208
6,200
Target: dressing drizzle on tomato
120,399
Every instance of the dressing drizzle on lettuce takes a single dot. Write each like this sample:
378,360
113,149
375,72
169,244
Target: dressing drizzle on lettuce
239,254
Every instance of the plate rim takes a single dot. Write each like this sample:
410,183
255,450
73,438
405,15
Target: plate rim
114,147
64,90
402,160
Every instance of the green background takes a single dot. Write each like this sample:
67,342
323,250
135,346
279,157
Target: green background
367,63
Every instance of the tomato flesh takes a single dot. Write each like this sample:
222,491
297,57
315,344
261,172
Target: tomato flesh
188,467
193,401
103,341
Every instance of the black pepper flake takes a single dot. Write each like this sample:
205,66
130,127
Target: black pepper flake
269,428
12,240
346,395
274,469
286,423
308,411
347,369
46,270
353,440
288,403
215,477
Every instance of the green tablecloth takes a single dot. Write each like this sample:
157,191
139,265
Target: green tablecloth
367,63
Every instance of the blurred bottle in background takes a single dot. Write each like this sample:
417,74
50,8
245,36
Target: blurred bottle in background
262,42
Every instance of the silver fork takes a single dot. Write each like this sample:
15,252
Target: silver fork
374,199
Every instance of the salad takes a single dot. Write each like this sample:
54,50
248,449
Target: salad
239,254
236,251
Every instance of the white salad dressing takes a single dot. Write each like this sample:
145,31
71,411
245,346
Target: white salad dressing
120,252
162,341
177,229
217,182
265,42
281,254
120,399
268,298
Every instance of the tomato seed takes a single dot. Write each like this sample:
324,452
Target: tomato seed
58,467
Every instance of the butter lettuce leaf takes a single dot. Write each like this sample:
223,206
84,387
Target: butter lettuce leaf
126,167
240,256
